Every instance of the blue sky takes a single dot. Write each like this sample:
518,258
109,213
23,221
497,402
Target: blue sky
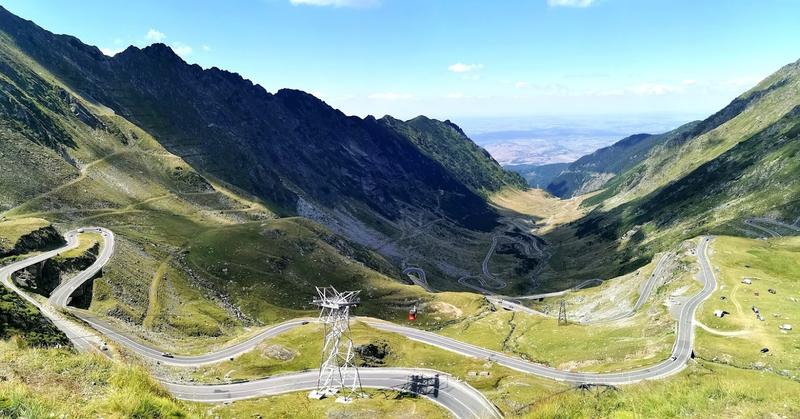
462,58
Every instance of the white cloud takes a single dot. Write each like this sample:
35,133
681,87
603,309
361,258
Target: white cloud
654,89
181,49
391,96
610,92
464,68
570,3
111,51
358,4
155,35
455,95
522,84
689,82
205,48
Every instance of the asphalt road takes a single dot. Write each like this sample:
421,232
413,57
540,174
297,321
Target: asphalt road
82,338
417,276
510,303
793,227
61,296
459,398
582,285
770,232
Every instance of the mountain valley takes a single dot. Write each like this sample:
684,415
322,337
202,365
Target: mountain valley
191,214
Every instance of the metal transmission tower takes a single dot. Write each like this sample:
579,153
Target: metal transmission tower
337,371
562,312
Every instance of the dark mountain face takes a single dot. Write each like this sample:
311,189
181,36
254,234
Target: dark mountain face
280,147
446,143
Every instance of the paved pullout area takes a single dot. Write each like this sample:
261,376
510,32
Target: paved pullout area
460,398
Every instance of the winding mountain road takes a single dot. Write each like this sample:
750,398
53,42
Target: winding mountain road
461,399
417,276
681,351
769,231
441,388
82,338
512,303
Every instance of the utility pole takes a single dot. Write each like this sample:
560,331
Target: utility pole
337,370
562,312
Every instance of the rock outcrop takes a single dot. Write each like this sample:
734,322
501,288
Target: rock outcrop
40,239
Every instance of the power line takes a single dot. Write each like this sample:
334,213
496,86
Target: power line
562,312
337,370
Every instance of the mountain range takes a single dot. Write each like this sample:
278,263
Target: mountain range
289,150
227,205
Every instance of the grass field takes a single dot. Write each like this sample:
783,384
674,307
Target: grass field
40,383
703,390
707,388
85,242
380,404
544,208
772,264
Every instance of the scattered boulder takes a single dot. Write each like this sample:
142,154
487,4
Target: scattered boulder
278,352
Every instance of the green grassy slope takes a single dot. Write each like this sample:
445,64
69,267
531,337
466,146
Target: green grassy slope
197,260
538,176
749,114
756,177
446,143
84,165
729,377
59,383
772,264
591,172
739,163
21,320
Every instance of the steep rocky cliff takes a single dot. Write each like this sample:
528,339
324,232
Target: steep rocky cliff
39,239
42,278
